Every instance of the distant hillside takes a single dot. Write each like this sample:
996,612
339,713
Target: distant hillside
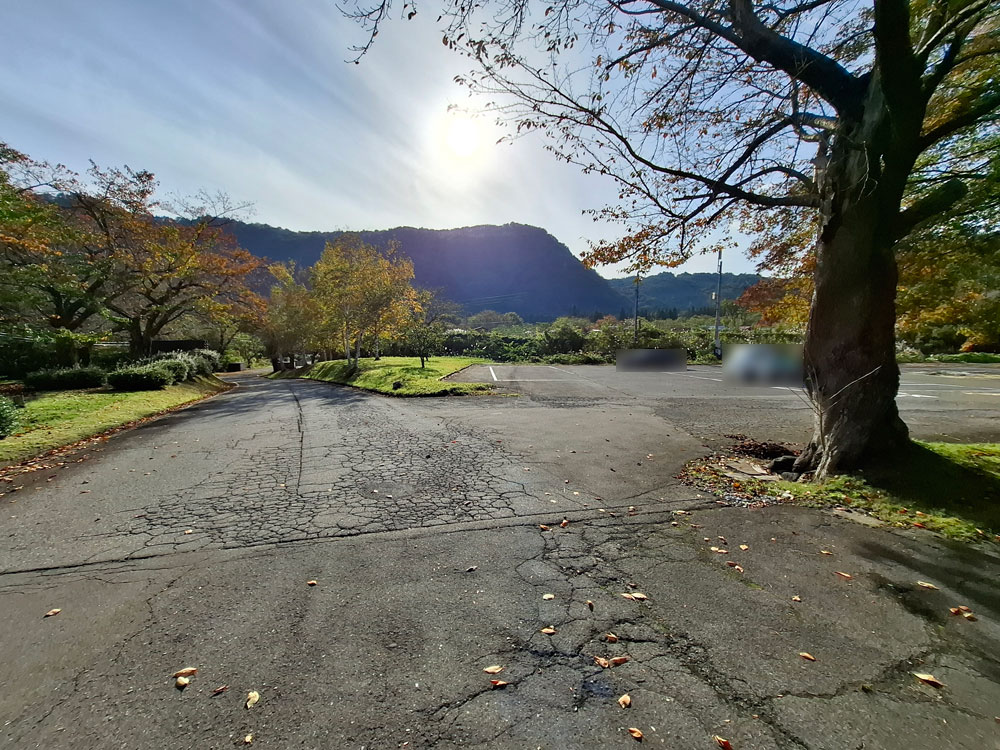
510,268
683,291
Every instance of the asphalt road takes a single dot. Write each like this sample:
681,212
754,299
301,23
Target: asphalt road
189,543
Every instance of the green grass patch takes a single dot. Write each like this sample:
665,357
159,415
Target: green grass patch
56,419
379,376
951,488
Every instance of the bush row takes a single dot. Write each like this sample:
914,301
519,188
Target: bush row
156,372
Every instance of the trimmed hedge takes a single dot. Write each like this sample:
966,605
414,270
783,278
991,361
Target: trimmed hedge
149,377
66,378
9,418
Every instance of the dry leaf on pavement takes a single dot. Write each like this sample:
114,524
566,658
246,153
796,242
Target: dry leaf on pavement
495,669
625,701
927,585
543,527
929,679
548,597
744,547
220,690
186,672
52,613
722,742
848,576
796,598
969,616
807,656
548,630
248,740
637,733
564,524
602,662
590,605
311,583
252,697
618,661
182,682
639,596
611,638
825,552
498,683
628,596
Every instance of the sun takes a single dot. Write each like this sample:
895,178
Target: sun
463,136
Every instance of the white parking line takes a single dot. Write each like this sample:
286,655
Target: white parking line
493,374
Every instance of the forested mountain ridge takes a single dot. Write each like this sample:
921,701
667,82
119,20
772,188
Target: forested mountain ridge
510,268
682,291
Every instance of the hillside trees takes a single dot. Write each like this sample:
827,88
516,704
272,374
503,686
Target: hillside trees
701,109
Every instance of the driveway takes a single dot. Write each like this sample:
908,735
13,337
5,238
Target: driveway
190,542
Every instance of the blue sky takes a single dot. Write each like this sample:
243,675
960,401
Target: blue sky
254,97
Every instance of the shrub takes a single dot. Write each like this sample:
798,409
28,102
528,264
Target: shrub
213,357
179,369
9,418
147,377
65,378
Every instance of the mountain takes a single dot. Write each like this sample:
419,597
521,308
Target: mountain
510,268
683,291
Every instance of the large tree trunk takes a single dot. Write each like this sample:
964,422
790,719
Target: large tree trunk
850,356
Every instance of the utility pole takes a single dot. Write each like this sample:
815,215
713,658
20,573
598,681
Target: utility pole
635,327
718,309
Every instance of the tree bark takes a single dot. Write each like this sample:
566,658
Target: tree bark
850,355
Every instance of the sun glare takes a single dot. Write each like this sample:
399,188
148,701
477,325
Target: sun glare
463,136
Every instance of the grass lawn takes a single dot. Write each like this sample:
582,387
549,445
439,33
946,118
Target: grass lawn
951,488
62,417
379,375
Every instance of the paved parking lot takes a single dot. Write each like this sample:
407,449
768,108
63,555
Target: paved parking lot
942,402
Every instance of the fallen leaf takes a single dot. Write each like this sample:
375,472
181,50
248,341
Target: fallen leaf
548,631
625,701
637,733
714,549
796,598
495,669
630,597
744,547
543,527
220,690
848,576
548,597
248,740
611,638
311,583
618,661
564,524
252,697
722,742
807,656
590,605
926,585
182,682
722,551
472,569
919,525
929,679
499,683
731,563
738,568
955,610
52,613
186,672
963,608
639,596
825,552
189,531
602,662
969,616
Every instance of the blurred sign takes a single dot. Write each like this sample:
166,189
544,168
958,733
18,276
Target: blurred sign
651,360
763,364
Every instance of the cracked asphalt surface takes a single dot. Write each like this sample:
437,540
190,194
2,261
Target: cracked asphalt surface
189,543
